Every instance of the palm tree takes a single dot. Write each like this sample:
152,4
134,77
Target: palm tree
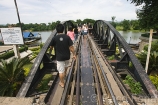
113,18
11,75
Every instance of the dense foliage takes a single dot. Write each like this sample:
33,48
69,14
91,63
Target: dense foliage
148,14
9,54
11,76
154,79
126,25
153,60
123,25
135,87
44,26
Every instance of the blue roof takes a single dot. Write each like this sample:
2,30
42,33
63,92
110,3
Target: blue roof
29,34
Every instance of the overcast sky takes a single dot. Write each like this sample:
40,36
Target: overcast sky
45,11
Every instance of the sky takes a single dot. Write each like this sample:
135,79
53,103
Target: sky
47,11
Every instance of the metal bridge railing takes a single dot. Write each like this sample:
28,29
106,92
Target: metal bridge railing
112,43
37,71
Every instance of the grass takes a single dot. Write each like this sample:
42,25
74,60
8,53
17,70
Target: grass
43,85
27,68
120,28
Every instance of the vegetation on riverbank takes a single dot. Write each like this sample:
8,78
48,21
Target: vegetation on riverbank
12,75
9,54
153,61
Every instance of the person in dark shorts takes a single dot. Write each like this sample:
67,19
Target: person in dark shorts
62,45
76,32
90,28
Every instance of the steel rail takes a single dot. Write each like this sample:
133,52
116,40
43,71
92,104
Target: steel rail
68,80
67,85
107,82
70,101
52,90
119,82
106,94
100,98
78,76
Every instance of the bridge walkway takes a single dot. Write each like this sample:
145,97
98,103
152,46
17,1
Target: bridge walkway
88,85
91,78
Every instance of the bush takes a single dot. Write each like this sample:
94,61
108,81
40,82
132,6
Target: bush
27,68
148,34
154,80
43,86
7,55
1,43
41,45
134,86
153,60
34,49
11,53
112,57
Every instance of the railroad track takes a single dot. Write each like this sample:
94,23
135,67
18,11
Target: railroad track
90,80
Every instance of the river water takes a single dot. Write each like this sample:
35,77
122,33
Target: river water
129,36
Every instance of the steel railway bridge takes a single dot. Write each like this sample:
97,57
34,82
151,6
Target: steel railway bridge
91,79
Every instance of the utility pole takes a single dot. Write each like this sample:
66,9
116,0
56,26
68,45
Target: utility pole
149,47
15,47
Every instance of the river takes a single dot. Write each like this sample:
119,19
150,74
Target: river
129,36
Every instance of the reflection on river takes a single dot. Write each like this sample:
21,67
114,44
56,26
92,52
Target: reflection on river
129,36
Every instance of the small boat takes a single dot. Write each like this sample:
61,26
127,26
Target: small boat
30,37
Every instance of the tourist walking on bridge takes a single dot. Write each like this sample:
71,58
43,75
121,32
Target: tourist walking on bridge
84,30
71,34
63,45
90,28
76,32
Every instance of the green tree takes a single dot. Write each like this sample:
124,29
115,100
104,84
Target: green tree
11,75
43,26
78,21
88,21
113,21
126,25
135,24
113,18
148,14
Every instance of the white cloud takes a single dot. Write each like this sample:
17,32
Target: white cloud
44,11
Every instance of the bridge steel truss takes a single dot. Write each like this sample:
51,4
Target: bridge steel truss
112,43
42,66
